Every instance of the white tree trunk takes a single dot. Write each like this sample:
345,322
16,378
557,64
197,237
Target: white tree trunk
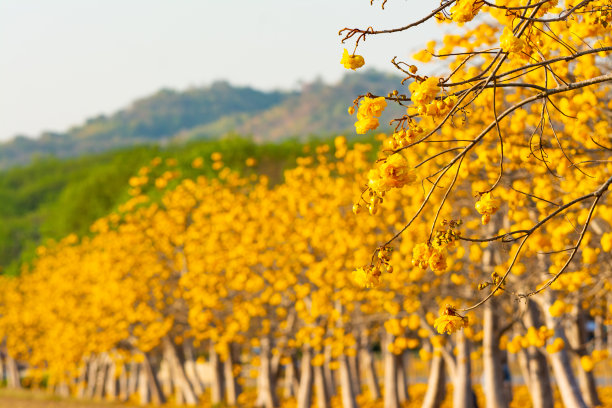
367,363
436,384
306,374
266,388
216,382
151,382
133,379
322,392
183,388
577,337
111,381
291,384
463,396
537,377
391,399
190,368
494,389
232,389
560,361
402,377
346,383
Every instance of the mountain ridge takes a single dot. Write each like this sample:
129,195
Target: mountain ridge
170,116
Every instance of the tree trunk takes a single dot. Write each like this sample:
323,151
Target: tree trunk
402,376
494,389
100,380
391,399
291,384
463,396
92,371
322,393
266,388
436,384
133,379
560,361
111,381
538,381
577,337
367,362
123,384
330,382
306,374
190,368
346,383
12,370
151,381
232,389
216,386
183,388
82,381
353,362
143,387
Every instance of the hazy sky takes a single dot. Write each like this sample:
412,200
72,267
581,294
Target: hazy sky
62,61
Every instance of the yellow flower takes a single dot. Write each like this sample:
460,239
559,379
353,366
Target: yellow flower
509,42
395,173
487,206
420,255
367,277
587,363
556,346
365,124
465,10
449,322
437,262
351,61
424,92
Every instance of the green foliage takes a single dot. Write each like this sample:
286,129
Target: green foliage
52,198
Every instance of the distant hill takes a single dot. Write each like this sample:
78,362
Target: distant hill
209,112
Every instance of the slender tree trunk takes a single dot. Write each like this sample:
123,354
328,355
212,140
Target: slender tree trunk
216,386
13,377
403,367
267,390
291,384
100,380
560,361
133,379
493,386
353,362
82,380
306,374
143,387
2,367
367,362
232,389
123,384
322,393
190,368
391,399
183,388
330,382
577,337
111,380
436,384
463,396
346,383
151,381
598,334
538,381
92,371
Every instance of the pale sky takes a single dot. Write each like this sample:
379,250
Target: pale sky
63,61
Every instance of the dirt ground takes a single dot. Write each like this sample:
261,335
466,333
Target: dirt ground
33,399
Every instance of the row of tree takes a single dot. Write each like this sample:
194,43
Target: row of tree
256,277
